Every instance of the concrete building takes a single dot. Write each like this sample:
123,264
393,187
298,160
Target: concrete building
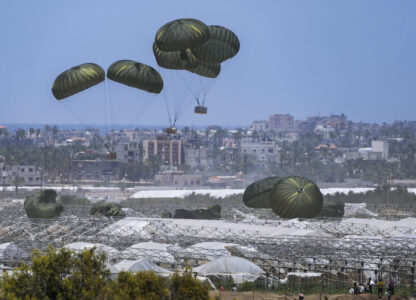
26,174
94,170
178,179
260,126
170,151
198,157
262,151
381,147
337,121
281,122
128,152
3,129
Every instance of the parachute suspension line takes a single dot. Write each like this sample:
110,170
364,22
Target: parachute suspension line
165,98
107,107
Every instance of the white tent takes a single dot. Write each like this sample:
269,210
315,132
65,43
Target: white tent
239,268
9,251
144,264
79,246
213,250
156,251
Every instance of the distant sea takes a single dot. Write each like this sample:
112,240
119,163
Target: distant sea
103,128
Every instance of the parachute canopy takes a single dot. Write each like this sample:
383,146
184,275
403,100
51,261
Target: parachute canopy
296,197
77,79
206,70
43,205
257,193
135,74
178,60
223,44
181,34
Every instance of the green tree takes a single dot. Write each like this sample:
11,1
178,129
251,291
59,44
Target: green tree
59,274
31,132
187,287
142,285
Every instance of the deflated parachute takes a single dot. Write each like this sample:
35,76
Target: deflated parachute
223,44
257,194
77,79
296,197
43,205
181,34
109,209
137,75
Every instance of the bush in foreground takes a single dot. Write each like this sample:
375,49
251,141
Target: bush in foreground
65,274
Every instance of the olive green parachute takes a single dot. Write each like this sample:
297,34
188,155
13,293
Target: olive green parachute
206,70
257,194
109,209
223,44
137,75
43,205
181,34
179,60
77,79
332,209
296,197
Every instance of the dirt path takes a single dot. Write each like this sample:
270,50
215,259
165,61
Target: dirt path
268,296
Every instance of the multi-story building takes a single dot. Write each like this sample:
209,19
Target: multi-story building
94,170
128,152
170,151
25,174
260,126
177,178
381,147
3,129
198,157
281,122
262,150
337,121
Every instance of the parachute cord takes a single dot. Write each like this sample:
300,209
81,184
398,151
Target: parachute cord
107,106
197,101
204,98
167,108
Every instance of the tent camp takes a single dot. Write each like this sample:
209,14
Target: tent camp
9,251
140,265
80,246
158,252
238,268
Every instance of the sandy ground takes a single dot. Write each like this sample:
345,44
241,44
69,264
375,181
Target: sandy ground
266,296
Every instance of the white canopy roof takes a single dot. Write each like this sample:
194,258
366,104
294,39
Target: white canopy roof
79,246
229,265
144,264
156,251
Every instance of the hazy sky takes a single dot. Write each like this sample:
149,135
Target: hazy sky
297,57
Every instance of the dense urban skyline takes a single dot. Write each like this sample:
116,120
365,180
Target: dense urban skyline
297,58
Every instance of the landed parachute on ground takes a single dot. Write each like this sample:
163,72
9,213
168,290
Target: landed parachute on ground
257,194
77,79
108,209
296,197
43,205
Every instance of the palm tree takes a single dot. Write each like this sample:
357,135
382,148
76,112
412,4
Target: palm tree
20,134
54,130
37,134
31,132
